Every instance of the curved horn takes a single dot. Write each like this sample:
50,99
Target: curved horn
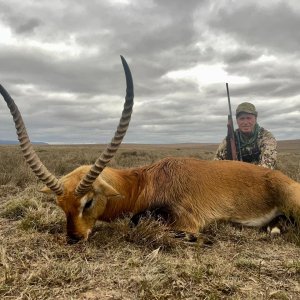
30,155
85,184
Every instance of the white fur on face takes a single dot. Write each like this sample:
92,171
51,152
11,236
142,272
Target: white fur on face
83,202
87,234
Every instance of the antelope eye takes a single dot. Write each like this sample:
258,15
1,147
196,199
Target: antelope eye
88,204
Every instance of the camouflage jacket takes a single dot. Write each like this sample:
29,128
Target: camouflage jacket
262,152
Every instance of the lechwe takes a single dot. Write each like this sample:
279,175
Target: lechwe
187,193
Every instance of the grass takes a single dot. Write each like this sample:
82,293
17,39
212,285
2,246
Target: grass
145,262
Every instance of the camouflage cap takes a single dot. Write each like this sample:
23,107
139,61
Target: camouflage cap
246,107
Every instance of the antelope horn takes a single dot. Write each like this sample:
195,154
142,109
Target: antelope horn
30,155
85,184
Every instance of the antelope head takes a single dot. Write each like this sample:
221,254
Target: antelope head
82,194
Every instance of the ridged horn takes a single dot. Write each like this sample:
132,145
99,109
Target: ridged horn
30,155
85,184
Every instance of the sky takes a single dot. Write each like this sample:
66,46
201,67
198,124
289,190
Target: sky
60,62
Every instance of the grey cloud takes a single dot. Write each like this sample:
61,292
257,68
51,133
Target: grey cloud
28,26
240,56
71,75
273,26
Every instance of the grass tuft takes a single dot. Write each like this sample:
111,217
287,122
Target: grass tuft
17,208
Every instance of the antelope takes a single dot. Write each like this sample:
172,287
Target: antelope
186,193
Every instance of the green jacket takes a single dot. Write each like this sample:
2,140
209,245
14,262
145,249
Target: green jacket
263,151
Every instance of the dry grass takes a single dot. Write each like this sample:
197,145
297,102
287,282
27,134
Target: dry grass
145,262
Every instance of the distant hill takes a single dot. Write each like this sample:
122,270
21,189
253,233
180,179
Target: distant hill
282,145
8,142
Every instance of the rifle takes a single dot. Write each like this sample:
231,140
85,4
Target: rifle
231,144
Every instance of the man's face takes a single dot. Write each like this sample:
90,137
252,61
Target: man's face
246,123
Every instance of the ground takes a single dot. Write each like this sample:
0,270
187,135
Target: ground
145,262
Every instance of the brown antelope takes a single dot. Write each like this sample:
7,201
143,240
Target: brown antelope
187,193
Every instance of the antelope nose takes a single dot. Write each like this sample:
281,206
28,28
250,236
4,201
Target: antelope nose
73,239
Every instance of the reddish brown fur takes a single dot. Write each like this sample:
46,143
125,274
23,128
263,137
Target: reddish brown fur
196,192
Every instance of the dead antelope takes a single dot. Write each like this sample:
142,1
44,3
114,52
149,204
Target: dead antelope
187,193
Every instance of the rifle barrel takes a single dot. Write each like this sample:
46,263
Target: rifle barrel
228,97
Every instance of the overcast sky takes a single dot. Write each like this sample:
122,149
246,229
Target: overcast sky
60,61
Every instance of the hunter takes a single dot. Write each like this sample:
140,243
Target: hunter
254,144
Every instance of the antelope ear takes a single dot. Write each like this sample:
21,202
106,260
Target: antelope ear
104,188
46,190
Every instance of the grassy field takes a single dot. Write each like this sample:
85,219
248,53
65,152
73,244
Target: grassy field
145,262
